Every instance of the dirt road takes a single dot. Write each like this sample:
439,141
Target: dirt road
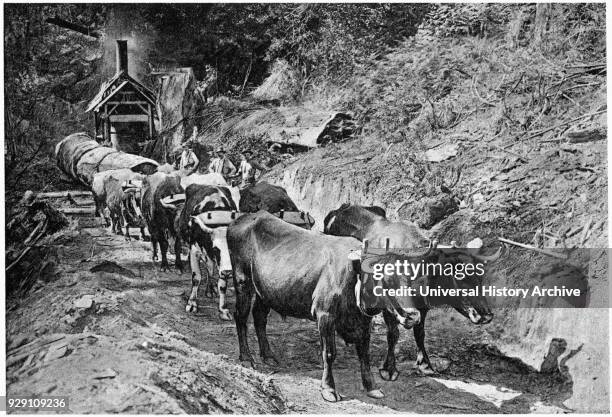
119,340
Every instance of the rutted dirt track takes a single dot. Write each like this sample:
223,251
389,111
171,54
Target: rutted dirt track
119,340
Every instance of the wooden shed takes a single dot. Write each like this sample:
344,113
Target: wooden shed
124,109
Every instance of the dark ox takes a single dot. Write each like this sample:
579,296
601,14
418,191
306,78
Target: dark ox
275,200
370,223
162,221
308,275
205,235
364,224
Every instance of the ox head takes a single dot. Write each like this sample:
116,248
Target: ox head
385,293
475,307
132,204
210,228
208,223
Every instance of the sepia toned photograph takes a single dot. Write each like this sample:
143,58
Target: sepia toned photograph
305,208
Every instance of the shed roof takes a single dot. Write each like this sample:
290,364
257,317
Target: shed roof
114,85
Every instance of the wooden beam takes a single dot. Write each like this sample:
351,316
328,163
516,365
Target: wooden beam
143,109
128,102
123,118
96,123
107,125
150,121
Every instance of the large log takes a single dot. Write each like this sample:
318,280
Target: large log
81,157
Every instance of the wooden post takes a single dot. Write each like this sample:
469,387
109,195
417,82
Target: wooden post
387,241
107,125
150,121
364,246
96,124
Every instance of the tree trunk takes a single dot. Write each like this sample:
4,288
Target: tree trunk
542,20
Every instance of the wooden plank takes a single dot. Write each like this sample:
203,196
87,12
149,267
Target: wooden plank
127,102
129,118
78,210
150,120
63,194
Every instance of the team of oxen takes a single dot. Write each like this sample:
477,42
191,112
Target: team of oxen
259,238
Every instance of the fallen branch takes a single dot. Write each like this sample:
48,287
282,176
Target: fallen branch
541,132
532,248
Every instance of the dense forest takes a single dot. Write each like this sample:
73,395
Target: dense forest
338,55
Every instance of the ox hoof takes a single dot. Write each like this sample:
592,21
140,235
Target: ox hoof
376,393
389,375
225,315
191,307
425,370
330,395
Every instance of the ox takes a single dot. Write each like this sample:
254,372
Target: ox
98,187
203,225
214,179
308,275
273,199
370,223
364,224
123,208
161,221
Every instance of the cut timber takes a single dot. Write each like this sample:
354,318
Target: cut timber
64,194
78,210
81,157
587,135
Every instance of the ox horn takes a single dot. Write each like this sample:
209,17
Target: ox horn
490,258
201,224
167,205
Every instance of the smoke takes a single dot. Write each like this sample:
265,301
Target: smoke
125,22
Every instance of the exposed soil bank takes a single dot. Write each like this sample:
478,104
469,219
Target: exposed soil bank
574,341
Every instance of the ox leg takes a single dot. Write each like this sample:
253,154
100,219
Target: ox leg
154,244
389,371
178,263
363,352
422,362
328,352
195,256
260,319
244,297
224,313
163,248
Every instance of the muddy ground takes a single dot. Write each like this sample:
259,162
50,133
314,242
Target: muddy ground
119,340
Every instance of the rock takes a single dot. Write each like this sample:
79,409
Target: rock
475,243
442,153
441,364
57,352
85,301
477,199
106,374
